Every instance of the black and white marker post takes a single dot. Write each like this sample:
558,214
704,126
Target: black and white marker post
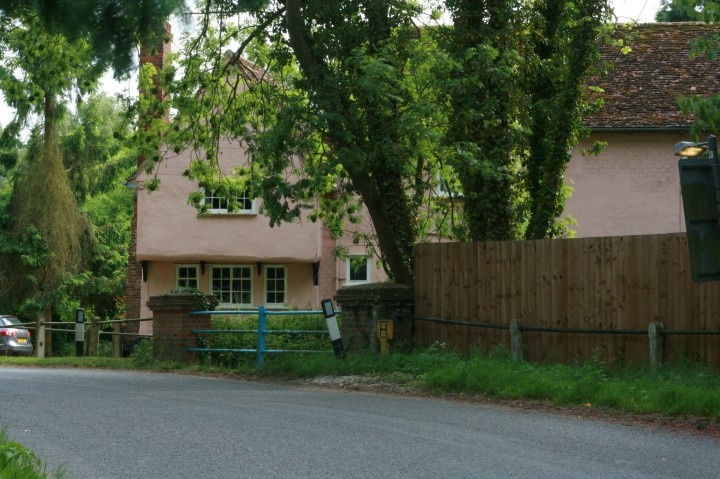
79,332
332,325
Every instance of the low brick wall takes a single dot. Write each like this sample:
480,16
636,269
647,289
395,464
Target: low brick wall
363,305
172,324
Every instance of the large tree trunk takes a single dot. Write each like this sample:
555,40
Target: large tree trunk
379,180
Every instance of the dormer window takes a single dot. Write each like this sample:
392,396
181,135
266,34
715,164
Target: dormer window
240,204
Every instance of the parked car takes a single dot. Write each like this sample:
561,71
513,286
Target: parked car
14,340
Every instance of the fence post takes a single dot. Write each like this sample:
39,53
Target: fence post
262,328
116,353
40,333
94,336
655,340
516,344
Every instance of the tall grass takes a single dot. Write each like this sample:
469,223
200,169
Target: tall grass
678,389
18,462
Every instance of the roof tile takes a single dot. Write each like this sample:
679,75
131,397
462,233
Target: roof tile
642,88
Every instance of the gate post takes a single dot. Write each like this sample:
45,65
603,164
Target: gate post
172,325
94,336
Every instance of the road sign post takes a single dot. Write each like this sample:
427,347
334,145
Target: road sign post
333,330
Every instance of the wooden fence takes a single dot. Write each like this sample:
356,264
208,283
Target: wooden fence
124,334
609,285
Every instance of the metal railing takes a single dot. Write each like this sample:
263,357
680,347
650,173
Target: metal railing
262,331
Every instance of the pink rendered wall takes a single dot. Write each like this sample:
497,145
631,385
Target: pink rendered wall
170,233
631,188
168,227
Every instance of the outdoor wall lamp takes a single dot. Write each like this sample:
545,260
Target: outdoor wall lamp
700,190
689,149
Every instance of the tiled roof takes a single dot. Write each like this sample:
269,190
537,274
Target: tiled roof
642,88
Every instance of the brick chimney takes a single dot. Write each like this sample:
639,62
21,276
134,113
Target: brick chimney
155,54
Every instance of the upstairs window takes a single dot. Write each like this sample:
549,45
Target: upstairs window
357,270
241,204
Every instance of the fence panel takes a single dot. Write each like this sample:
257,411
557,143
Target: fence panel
611,283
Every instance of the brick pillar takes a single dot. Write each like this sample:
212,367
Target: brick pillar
172,323
363,305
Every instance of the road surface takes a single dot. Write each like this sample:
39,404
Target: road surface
116,424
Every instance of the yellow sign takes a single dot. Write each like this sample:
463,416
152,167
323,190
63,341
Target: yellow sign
385,329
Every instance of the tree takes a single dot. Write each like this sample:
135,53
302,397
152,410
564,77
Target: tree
565,53
706,108
363,119
517,100
113,28
352,116
673,11
38,70
97,164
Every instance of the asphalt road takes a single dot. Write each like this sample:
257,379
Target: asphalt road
109,424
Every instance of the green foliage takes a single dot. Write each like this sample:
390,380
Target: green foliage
38,67
92,149
351,127
351,106
38,71
515,103
142,354
113,27
19,462
705,107
680,11
106,203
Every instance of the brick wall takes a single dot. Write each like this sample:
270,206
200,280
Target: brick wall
363,305
133,273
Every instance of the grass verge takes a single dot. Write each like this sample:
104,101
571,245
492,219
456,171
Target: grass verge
683,389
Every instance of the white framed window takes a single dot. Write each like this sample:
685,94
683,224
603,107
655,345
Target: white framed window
241,204
357,269
448,188
275,286
187,276
232,285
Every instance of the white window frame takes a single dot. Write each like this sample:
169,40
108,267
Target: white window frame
267,290
178,277
242,197
231,291
443,190
348,269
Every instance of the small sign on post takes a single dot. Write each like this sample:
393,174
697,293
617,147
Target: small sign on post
79,332
333,330
385,333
